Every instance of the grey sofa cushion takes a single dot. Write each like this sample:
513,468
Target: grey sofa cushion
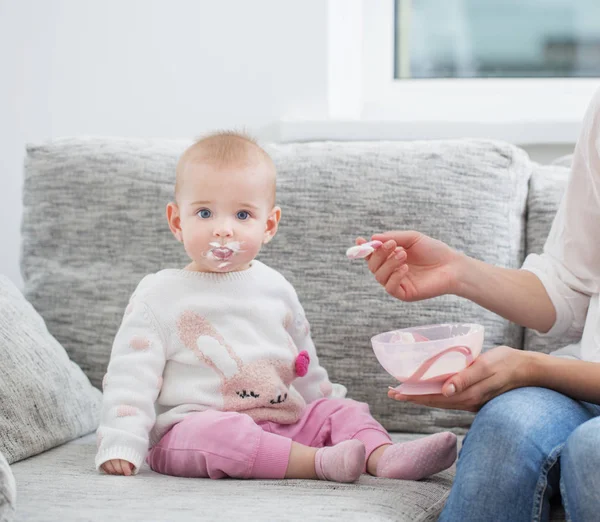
150,496
48,496
94,225
8,491
547,186
45,399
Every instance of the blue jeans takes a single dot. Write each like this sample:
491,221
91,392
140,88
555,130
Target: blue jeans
523,448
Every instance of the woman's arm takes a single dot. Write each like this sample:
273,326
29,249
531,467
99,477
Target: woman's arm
412,266
555,287
552,291
577,379
517,295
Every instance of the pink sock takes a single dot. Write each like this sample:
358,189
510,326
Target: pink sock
343,462
418,459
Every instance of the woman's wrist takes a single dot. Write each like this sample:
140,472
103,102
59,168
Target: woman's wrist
464,280
575,378
531,369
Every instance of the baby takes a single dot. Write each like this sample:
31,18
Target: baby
213,367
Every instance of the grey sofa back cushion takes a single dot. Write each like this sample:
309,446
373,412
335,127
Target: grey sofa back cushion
94,225
547,186
45,399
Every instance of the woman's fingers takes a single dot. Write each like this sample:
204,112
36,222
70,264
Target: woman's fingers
395,263
472,399
436,401
499,363
403,238
493,372
108,467
466,378
380,256
387,262
393,285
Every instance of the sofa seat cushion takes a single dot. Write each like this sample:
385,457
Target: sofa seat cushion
62,485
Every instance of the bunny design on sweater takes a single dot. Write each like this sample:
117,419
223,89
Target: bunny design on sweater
262,388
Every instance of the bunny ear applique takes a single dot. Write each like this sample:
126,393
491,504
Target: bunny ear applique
302,363
214,354
199,336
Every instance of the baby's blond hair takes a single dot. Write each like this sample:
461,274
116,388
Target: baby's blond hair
223,148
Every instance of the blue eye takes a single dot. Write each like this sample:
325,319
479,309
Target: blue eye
204,213
242,215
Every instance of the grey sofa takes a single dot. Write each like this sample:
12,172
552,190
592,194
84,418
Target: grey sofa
94,225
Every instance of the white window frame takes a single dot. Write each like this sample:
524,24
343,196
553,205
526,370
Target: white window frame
366,102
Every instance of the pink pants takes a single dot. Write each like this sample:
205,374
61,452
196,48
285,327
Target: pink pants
219,444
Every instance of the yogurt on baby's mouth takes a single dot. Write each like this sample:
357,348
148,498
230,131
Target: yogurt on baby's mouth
222,253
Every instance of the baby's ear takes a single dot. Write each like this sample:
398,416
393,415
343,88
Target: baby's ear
272,224
174,220
218,357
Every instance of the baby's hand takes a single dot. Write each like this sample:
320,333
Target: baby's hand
117,467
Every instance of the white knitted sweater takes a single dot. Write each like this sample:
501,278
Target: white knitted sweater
195,341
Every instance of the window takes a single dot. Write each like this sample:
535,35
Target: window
497,38
523,71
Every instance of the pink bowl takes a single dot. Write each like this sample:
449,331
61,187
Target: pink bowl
424,357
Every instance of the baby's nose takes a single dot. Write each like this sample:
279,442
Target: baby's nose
223,231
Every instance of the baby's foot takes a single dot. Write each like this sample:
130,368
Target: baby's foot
418,459
343,462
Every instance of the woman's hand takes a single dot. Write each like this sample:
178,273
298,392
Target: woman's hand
412,266
118,467
493,373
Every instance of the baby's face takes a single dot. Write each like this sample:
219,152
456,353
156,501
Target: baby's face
226,214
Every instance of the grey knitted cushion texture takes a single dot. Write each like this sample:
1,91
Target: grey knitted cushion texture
45,398
94,225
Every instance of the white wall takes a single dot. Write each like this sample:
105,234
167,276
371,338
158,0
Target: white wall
172,68
162,68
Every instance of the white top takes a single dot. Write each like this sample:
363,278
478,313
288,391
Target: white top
195,341
569,267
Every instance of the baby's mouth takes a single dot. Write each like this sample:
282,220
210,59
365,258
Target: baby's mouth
222,253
